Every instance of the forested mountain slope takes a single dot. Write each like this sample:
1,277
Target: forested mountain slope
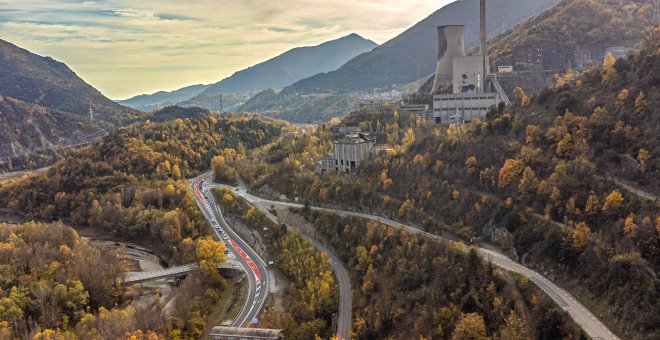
28,127
131,184
589,25
134,170
540,179
43,105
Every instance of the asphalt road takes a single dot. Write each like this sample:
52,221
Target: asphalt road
253,265
580,314
345,309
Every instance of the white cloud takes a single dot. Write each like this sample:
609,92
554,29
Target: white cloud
126,47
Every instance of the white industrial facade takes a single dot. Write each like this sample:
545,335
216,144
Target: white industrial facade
459,108
467,74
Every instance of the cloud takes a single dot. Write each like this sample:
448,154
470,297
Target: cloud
126,47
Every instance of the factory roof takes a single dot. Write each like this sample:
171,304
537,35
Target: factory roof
247,333
355,138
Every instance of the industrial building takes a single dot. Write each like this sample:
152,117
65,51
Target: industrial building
347,154
469,77
379,106
414,110
462,107
239,333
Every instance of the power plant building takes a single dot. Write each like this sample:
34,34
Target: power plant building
470,97
467,74
462,107
347,154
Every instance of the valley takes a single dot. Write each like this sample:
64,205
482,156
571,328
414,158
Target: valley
481,169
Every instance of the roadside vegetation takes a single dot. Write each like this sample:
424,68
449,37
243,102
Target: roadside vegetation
408,286
311,300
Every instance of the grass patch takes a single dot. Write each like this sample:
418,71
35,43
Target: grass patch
229,305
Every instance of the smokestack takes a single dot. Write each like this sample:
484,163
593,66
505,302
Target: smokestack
450,45
483,45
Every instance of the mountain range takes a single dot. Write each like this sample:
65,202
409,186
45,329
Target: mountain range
277,72
413,54
404,59
151,102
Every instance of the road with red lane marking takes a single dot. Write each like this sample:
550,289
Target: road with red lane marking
258,282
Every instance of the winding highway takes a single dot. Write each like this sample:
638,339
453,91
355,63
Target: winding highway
580,314
345,308
252,264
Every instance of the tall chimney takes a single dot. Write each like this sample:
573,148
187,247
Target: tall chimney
450,45
483,46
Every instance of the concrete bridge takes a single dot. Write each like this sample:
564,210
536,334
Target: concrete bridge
137,277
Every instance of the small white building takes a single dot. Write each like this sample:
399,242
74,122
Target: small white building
347,154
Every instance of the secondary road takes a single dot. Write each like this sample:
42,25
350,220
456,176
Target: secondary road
253,265
581,315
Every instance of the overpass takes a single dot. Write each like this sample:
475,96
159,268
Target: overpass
137,277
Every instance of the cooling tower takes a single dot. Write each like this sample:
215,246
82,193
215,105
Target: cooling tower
450,45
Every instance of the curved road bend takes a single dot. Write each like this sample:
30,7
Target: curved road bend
345,312
253,265
580,314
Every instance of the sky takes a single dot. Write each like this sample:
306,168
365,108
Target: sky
130,47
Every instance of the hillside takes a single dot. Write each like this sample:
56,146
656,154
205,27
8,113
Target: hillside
41,80
129,185
160,99
30,127
564,185
313,108
44,104
573,25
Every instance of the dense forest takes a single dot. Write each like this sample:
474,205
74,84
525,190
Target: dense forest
55,283
311,300
131,185
565,181
408,286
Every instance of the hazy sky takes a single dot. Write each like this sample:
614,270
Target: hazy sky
129,47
